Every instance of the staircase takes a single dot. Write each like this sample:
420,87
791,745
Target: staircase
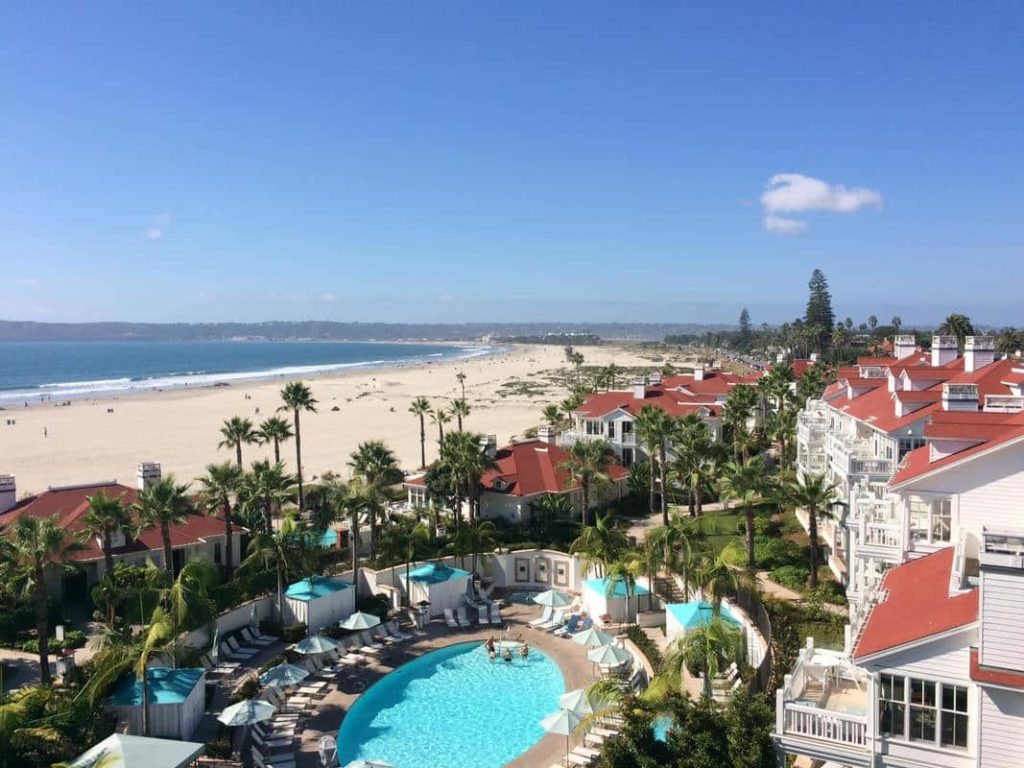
666,588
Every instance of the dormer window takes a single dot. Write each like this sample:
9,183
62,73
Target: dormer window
499,484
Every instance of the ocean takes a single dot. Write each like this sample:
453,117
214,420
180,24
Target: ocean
32,370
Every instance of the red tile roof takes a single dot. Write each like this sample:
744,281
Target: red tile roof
671,401
1000,678
917,605
72,503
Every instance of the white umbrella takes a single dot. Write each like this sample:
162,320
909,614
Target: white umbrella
552,598
562,722
284,675
609,655
592,638
315,644
577,701
369,764
359,621
247,712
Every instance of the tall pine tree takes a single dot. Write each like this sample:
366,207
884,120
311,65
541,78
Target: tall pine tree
820,316
743,339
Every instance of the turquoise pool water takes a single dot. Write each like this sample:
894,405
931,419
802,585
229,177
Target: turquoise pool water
307,590
693,614
165,686
601,587
329,538
521,598
452,708
661,727
435,573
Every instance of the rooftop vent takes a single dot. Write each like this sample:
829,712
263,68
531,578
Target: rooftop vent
960,397
904,345
979,351
943,350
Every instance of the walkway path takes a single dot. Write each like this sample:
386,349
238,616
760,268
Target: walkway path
642,526
779,592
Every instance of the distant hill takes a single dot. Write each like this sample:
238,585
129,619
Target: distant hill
334,331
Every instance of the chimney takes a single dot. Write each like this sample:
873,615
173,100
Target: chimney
148,475
639,388
8,493
698,372
904,345
943,350
546,434
979,351
814,357
489,443
780,357
960,397
655,378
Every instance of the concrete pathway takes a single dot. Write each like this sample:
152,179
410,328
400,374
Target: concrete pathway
641,527
779,592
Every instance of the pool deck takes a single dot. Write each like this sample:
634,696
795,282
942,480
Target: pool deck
570,657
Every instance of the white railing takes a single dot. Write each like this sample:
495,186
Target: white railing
859,466
824,724
881,535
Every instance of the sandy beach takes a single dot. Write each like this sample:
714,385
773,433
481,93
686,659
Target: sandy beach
85,443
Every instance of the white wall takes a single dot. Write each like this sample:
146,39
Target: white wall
1002,717
168,721
1002,619
948,659
535,569
234,619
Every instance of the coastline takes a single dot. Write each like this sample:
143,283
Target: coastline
104,438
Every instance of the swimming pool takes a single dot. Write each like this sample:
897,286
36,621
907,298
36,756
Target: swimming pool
521,598
452,708
164,686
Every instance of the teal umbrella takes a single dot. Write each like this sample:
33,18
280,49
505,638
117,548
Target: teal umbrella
315,644
577,701
359,621
592,638
247,712
552,598
284,675
562,722
369,764
609,655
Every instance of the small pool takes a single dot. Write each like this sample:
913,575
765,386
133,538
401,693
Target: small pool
661,726
165,686
601,586
452,708
694,614
310,589
436,573
329,538
521,598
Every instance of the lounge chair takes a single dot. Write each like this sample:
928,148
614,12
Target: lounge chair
396,632
481,616
449,619
460,615
583,625
279,761
556,621
272,741
496,614
239,650
369,641
577,758
569,627
381,633
218,667
250,638
263,636
545,617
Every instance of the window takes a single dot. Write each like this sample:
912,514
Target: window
923,711
919,510
931,520
942,519
627,457
216,553
627,428
611,430
892,707
594,428
908,444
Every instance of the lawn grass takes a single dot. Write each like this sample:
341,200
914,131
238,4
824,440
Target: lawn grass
720,528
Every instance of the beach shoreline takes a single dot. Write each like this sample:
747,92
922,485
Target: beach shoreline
105,438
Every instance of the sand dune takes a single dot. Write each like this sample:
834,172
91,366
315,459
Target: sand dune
180,429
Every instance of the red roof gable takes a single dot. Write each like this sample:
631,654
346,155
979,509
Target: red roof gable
917,605
72,503
534,466
673,402
1000,678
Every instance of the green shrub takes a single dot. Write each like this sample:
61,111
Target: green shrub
772,553
646,645
792,576
827,592
378,605
294,633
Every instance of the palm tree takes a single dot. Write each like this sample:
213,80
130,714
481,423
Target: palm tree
420,408
163,505
105,518
675,542
552,415
235,432
549,508
957,325
475,539
459,409
188,600
276,551
440,417
718,577
37,543
625,570
275,430
586,465
695,453
737,412
298,398
599,544
651,426
745,483
466,459
271,485
897,322
705,651
375,464
461,378
816,496
218,488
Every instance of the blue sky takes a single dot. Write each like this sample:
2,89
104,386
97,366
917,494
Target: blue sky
483,160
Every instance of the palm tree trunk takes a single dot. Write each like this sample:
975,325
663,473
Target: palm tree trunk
145,703
650,502
108,556
812,531
458,418
698,500
692,502
440,433
585,489
238,453
662,478
298,460
229,544
751,563
42,624
165,534
277,451
423,443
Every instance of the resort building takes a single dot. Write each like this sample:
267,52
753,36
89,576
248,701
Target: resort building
932,671
201,537
526,471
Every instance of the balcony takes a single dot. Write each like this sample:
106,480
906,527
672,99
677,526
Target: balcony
822,708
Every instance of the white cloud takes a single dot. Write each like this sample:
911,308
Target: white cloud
783,226
328,297
158,226
29,282
796,193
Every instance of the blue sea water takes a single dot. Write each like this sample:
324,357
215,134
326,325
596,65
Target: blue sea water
64,370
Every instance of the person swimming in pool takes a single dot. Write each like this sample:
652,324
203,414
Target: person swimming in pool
489,645
524,651
507,655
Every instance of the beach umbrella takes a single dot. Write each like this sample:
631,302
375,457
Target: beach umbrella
284,675
609,655
315,644
552,598
592,638
369,764
562,722
577,701
359,621
247,712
